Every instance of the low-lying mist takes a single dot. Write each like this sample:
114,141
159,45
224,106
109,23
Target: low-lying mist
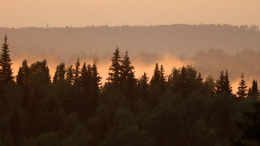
210,62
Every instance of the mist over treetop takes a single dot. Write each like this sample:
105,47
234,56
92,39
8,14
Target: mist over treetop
177,38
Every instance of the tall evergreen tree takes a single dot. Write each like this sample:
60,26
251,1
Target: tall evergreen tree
162,79
227,86
23,74
69,74
60,72
242,88
5,63
115,69
76,72
220,83
255,90
144,85
126,69
156,77
96,80
183,83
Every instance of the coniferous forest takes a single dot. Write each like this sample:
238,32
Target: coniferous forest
71,108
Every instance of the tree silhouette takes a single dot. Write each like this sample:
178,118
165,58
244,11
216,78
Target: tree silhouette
156,77
227,86
220,83
76,71
115,69
242,88
162,79
5,63
60,72
126,70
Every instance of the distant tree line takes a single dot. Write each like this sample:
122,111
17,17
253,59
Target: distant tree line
74,108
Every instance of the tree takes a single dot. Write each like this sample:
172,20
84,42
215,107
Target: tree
220,83
183,83
60,72
227,86
40,68
156,77
144,85
69,74
126,70
242,88
76,72
115,68
223,84
162,79
5,63
255,91
23,74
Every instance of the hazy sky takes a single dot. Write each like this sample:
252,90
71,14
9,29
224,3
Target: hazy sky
61,13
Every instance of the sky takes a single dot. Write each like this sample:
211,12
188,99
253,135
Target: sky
81,13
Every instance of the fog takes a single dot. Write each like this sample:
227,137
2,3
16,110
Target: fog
209,48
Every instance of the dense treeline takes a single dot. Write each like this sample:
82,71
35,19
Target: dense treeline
73,108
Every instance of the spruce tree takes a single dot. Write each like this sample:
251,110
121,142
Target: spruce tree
115,69
60,72
69,74
144,85
5,63
156,77
126,69
227,86
255,90
162,79
76,72
242,88
96,80
183,85
220,83
23,74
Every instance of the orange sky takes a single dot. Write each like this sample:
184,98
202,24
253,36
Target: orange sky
61,13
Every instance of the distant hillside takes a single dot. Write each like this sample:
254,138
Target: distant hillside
179,38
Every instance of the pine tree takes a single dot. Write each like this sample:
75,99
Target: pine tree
242,88
183,85
5,63
76,72
23,74
255,90
96,80
115,69
156,77
162,79
220,83
126,69
60,72
69,74
227,86
86,81
144,85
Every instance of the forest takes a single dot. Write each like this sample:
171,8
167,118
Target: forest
74,108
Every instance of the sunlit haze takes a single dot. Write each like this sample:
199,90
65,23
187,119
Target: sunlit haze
81,13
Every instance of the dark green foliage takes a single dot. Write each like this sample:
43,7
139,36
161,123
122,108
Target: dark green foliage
250,128
183,110
5,63
15,125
